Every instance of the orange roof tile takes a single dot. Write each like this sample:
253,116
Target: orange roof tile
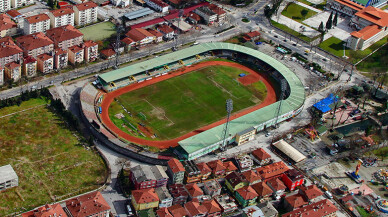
28,59
277,184
163,212
177,210
229,166
156,33
63,33
8,47
251,176
6,22
262,189
165,28
261,154
138,34
318,209
195,208
12,65
62,11
367,32
44,57
212,206
90,43
87,205
145,195
37,18
127,40
204,168
296,201
272,170
311,191
216,165
75,48
235,179
175,166
59,51
13,13
374,15
194,190
108,52
216,9
85,6
33,41
194,16
247,193
46,211
253,34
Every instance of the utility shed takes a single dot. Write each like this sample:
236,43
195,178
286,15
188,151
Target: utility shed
8,177
289,151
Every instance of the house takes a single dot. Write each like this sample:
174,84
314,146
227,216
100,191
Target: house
9,51
323,208
194,191
310,192
235,181
221,14
263,190
8,177
167,31
61,17
277,187
193,18
292,179
29,66
92,204
206,14
226,203
268,209
192,172
246,196
85,13
15,15
45,63
177,210
37,23
65,36
108,53
21,3
251,176
76,54
128,43
272,170
61,57
251,36
90,50
213,208
229,167
157,5
294,202
160,175
158,35
217,167
13,71
144,176
179,193
261,157
244,162
204,170
245,136
140,36
7,26
165,198
35,44
144,199
195,209
5,6
47,210
212,188
163,212
176,171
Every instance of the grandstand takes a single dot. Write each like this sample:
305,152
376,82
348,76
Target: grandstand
210,140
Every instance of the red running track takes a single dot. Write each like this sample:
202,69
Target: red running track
109,97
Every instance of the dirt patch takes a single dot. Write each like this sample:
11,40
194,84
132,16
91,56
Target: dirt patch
248,79
158,113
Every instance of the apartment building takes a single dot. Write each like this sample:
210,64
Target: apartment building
92,204
91,51
37,23
61,57
5,5
167,31
61,17
65,36
35,44
21,3
85,13
9,51
45,63
176,171
157,5
76,54
30,66
207,15
7,26
221,14
12,71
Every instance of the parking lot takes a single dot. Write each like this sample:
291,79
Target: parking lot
116,13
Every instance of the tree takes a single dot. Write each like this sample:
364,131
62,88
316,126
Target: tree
320,28
329,22
335,20
304,12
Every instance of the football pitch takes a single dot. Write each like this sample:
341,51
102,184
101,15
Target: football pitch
181,104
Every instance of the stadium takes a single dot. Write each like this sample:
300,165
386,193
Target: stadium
138,88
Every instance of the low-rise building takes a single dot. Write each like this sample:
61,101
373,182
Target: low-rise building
165,198
292,179
90,50
310,193
193,174
85,13
213,208
177,210
144,199
268,209
195,209
229,167
204,170
61,57
251,36
65,36
61,17
226,203
245,136
160,175
206,14
179,193
108,53
175,170
142,177
35,44
7,26
30,65
8,177
261,157
294,202
9,51
212,188
323,208
46,210
244,162
272,170
128,43
76,54
163,212
92,204
13,71
140,36
251,176
166,30
193,18
277,187
158,35
221,14
217,167
45,63
263,191
37,23
246,196
158,5
194,191
235,181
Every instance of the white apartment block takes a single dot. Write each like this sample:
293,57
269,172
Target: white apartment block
37,23
21,3
61,17
85,13
207,15
5,5
157,5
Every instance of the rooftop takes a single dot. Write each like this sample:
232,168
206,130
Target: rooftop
204,168
229,166
268,209
261,154
276,184
87,205
234,179
46,211
62,11
296,200
206,10
108,52
194,190
311,191
8,47
367,32
63,33
6,22
165,28
294,175
163,212
7,173
163,193
318,209
247,193
138,34
177,210
175,165
225,201
290,151
34,41
44,57
272,170
85,6
195,208
139,13
14,13
147,195
212,206
212,185
37,18
216,166
262,189
251,176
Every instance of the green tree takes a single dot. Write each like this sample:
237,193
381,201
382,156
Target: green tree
329,22
50,3
304,13
320,28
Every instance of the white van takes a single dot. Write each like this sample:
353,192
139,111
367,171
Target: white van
328,195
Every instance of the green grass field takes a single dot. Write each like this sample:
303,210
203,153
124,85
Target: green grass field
293,11
98,31
176,106
46,156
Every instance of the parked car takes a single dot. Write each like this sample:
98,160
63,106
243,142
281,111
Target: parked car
328,195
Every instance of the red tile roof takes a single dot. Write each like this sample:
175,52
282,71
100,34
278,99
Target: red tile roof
8,47
194,16
277,184
29,59
367,32
37,18
177,210
262,189
63,33
251,176
212,206
148,23
311,191
127,41
216,9
62,11
195,208
87,205
194,190
374,15
13,13
229,166
145,196
59,51
235,178
247,193
261,154
156,33
12,65
85,6
253,34
75,48
108,52
160,3
350,4
272,170
44,57
318,209
163,212
216,166
46,211
165,28
33,41
6,22
296,201
90,43
138,34
175,165
204,168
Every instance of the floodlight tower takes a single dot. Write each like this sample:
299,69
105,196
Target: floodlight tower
283,86
117,46
229,109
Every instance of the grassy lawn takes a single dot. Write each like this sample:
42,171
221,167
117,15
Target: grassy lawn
47,157
181,104
335,46
98,31
319,6
377,60
294,11
293,32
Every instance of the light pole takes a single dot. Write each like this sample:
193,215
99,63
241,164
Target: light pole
229,109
